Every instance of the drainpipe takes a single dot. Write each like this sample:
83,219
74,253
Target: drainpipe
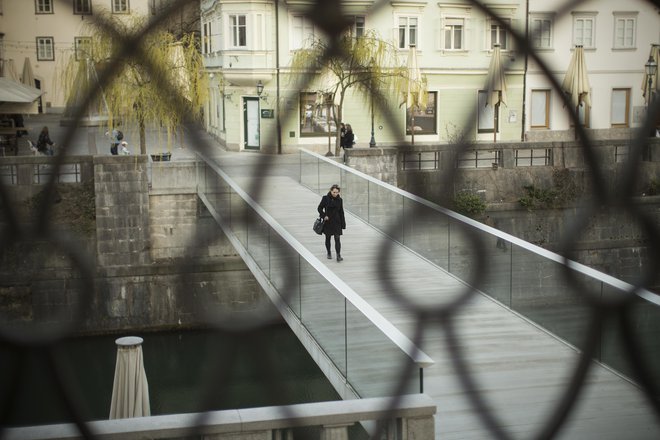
524,100
277,77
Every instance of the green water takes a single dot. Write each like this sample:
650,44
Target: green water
187,372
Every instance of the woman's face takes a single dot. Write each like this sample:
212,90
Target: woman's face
334,192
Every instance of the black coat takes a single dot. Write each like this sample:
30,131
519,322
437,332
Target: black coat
348,139
333,208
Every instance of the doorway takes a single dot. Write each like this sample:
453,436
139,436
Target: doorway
251,124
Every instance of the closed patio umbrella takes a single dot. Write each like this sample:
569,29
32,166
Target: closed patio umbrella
9,70
496,88
415,89
28,76
655,56
576,81
130,391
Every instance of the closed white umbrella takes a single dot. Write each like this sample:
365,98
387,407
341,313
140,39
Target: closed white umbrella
9,70
415,89
655,56
28,76
130,391
576,81
496,87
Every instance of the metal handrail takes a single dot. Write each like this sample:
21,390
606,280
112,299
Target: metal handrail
573,265
385,326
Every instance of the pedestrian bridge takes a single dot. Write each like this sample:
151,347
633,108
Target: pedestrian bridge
425,302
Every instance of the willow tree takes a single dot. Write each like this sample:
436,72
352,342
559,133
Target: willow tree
367,63
147,77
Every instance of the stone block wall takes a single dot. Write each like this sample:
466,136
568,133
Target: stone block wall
122,210
380,163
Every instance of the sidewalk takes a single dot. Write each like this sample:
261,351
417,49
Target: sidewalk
156,140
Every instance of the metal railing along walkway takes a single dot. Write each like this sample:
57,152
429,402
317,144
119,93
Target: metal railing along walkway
367,351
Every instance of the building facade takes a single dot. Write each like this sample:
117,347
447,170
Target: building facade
49,32
251,42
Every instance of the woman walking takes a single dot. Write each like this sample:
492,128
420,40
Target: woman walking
331,209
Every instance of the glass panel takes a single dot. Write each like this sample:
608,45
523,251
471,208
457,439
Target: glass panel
645,318
495,277
539,106
385,209
619,106
258,240
542,293
375,364
309,171
285,272
355,192
238,218
426,231
323,313
328,176
462,251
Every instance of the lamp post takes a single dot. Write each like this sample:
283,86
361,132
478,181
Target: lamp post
372,141
329,101
651,69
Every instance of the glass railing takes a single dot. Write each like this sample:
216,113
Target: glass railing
526,278
365,349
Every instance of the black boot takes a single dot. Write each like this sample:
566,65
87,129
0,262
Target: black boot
339,258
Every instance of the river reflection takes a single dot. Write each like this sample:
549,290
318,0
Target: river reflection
187,372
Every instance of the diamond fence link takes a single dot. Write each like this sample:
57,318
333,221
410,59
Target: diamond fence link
323,13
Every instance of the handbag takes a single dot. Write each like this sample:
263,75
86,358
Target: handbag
318,225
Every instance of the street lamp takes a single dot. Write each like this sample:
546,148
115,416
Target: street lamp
372,141
651,69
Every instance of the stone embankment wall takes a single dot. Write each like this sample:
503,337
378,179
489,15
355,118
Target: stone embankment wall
158,259
610,241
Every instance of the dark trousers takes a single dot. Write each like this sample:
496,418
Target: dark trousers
337,243
113,149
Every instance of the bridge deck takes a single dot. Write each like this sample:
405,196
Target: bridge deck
521,370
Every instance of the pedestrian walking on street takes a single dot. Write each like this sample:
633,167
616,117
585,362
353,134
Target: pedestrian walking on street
331,209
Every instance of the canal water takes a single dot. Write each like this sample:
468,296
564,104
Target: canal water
187,372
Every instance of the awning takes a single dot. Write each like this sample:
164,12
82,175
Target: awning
13,91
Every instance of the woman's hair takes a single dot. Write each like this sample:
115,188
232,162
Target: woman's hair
335,186
44,130
348,127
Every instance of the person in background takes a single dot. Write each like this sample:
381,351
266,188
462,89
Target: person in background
115,138
349,138
44,143
331,209
124,148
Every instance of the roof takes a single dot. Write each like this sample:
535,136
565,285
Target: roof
12,91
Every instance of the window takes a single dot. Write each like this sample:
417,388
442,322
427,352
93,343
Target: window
453,33
206,38
423,160
479,159
120,7
313,115
238,31
83,48
357,27
540,109
43,6
624,31
583,115
534,157
425,118
407,32
620,108
82,7
485,115
541,29
45,49
584,30
499,35
302,31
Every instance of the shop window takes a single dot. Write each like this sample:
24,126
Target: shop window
540,109
620,111
314,112
425,118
